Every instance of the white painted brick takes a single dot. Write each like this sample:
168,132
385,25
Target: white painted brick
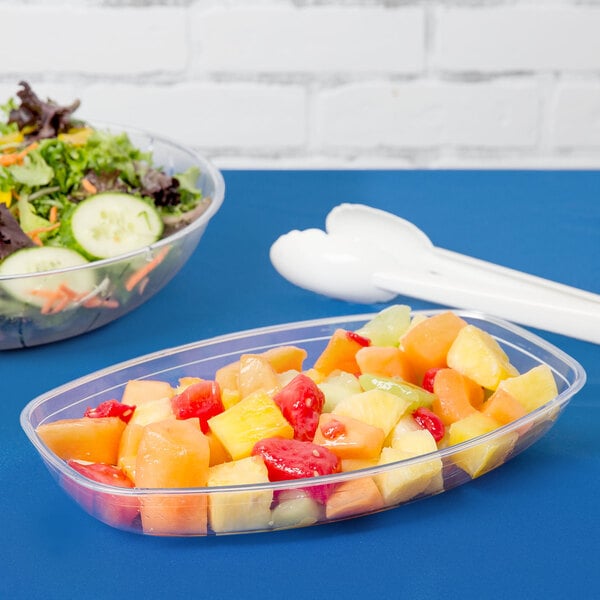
576,117
92,40
516,38
318,39
236,115
426,114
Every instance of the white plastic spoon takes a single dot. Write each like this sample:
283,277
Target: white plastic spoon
363,258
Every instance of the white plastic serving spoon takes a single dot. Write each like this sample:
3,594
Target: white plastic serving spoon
369,255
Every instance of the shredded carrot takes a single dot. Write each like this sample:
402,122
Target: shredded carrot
100,303
88,186
145,270
34,234
53,214
6,160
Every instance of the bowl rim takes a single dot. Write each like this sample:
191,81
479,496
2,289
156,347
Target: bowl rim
206,168
579,379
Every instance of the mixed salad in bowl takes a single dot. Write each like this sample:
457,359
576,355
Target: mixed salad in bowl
75,197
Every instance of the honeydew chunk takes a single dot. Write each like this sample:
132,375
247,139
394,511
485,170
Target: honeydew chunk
296,508
477,355
533,389
337,386
243,510
250,420
375,407
387,327
486,455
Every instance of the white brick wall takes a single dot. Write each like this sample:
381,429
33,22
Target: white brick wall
326,83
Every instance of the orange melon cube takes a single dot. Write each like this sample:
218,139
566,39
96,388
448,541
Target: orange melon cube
352,497
218,454
456,396
387,361
347,437
427,343
140,391
339,354
128,449
173,454
285,358
93,440
503,407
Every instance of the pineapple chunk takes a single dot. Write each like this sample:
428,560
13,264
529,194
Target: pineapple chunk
532,389
244,510
486,455
140,391
250,420
152,412
477,355
256,373
374,407
128,449
407,481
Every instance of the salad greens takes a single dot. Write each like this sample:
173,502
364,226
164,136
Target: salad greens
50,162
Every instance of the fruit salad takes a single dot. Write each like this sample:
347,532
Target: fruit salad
387,413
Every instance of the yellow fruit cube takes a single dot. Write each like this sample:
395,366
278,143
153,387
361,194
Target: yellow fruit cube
153,411
407,481
140,391
239,511
486,455
532,389
256,373
375,407
250,420
477,355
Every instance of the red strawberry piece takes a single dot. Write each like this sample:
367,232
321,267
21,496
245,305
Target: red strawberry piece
294,459
427,419
200,400
359,339
301,402
111,408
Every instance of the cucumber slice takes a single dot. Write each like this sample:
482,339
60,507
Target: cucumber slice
44,258
110,224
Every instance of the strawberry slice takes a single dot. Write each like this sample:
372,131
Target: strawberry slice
301,402
200,400
111,408
294,459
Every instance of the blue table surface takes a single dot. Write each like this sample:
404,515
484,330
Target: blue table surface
530,529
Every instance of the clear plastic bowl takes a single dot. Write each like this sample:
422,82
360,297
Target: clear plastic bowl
113,295
262,507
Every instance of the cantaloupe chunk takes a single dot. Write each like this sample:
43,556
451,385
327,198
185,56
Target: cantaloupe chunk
427,343
477,355
354,497
375,407
339,354
92,440
256,373
486,455
239,511
387,361
250,420
503,407
534,388
128,449
285,358
173,454
456,395
347,437
218,453
354,464
140,391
